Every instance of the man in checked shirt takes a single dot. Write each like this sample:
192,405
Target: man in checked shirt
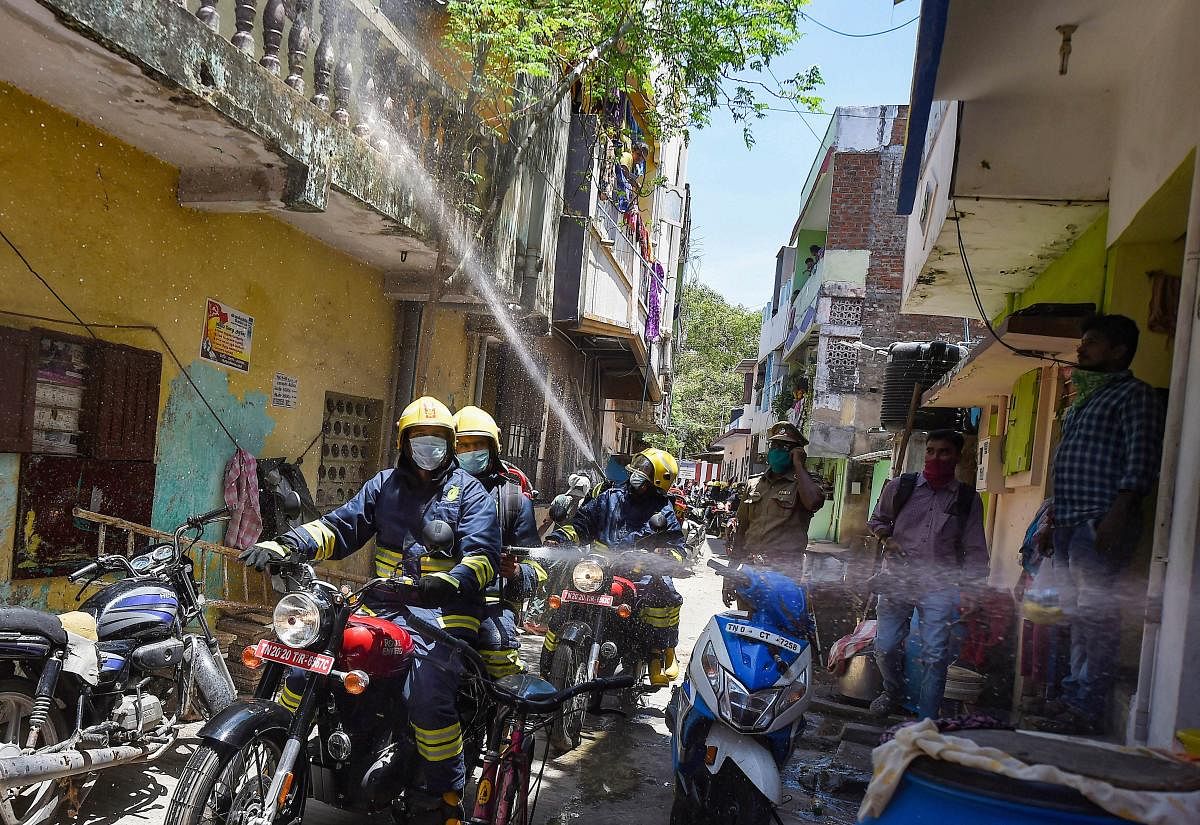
1106,463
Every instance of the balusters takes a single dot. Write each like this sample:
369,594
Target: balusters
343,77
244,13
323,59
272,35
208,14
366,125
379,140
368,106
298,47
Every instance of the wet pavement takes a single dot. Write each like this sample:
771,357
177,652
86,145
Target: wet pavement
621,773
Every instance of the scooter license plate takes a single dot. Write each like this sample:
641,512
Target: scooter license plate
304,659
760,635
601,599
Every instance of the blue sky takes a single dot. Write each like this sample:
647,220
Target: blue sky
744,201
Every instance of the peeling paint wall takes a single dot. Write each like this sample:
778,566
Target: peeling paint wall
101,222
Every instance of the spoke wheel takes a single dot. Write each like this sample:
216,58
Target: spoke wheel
568,669
39,802
231,788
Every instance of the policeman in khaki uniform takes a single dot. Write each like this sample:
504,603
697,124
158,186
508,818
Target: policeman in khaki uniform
774,515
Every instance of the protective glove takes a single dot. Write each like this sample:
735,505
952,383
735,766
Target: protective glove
264,553
435,591
728,593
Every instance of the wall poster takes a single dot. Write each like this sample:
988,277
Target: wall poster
227,336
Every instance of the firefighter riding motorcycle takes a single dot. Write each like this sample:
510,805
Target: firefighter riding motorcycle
620,611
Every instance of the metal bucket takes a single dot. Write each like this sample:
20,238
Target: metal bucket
861,679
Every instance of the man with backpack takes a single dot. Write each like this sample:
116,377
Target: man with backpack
931,528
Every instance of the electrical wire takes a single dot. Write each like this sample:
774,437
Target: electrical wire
792,103
816,22
46,283
983,316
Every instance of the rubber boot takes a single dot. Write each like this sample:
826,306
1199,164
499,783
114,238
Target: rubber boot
663,668
446,809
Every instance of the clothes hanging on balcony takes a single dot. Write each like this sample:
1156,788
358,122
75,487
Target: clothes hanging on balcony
654,304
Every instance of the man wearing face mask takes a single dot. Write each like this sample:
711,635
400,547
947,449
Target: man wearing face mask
1105,464
931,528
477,444
776,508
393,508
617,519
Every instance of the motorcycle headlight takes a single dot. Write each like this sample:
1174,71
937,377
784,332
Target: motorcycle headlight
712,666
588,576
297,620
746,710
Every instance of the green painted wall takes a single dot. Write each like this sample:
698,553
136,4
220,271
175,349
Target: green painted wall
1076,277
880,474
804,239
1128,293
826,523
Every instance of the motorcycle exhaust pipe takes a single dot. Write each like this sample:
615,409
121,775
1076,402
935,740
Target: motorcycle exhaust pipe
18,771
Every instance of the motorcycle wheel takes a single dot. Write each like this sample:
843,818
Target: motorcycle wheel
229,787
568,668
40,802
732,798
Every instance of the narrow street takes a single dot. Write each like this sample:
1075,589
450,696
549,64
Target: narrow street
621,774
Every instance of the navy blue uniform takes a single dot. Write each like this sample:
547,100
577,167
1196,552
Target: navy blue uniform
393,508
616,519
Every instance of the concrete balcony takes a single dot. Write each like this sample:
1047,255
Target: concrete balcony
340,128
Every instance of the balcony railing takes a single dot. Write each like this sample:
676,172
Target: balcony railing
804,310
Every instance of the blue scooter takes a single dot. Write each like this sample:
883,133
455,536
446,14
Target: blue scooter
736,718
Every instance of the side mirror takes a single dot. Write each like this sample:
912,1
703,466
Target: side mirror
438,538
560,508
291,504
658,522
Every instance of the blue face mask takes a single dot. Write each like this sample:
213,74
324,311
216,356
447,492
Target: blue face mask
475,462
779,459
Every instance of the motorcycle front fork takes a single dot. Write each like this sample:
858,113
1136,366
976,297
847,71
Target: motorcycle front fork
302,722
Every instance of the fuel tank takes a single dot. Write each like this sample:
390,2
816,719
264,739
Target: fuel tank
134,609
376,646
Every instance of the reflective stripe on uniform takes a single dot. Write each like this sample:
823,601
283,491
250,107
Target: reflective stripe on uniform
289,698
325,538
435,564
660,616
387,562
538,570
501,662
481,566
446,577
571,533
550,642
439,745
459,621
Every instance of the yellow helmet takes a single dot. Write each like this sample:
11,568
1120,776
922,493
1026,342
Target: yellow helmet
474,421
659,465
426,411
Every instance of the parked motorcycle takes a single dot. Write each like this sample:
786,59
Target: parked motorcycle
717,515
598,635
108,684
258,762
736,718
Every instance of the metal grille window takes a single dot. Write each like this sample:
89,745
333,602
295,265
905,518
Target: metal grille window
349,448
845,312
841,357
521,443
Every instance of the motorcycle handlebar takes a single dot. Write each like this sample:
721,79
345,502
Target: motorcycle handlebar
83,573
211,515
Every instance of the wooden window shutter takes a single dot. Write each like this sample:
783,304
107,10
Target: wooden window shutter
17,389
126,386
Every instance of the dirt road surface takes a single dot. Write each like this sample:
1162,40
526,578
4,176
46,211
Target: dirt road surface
620,775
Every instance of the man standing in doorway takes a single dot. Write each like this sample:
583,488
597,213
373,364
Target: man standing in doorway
1106,463
931,528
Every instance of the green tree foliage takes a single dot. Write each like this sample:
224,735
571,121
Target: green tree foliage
682,58
716,337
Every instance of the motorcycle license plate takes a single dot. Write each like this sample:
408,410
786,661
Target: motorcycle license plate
766,636
304,659
601,599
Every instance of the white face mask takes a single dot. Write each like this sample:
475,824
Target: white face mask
475,462
638,479
428,451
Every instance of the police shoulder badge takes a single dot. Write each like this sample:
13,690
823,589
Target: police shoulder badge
452,493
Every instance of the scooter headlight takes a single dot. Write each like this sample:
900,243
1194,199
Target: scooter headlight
588,576
712,666
792,694
297,620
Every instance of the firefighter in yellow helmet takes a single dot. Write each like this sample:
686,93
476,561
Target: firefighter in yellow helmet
619,518
478,446
426,485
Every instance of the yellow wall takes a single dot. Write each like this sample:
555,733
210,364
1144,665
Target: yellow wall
100,221
1128,293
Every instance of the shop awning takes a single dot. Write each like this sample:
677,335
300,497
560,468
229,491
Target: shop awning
991,368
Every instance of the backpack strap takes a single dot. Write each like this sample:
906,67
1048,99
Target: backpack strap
908,483
964,502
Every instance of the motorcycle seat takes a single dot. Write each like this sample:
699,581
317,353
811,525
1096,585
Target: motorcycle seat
36,622
527,686
81,624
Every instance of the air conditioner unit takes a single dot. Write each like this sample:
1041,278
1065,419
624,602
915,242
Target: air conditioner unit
989,466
